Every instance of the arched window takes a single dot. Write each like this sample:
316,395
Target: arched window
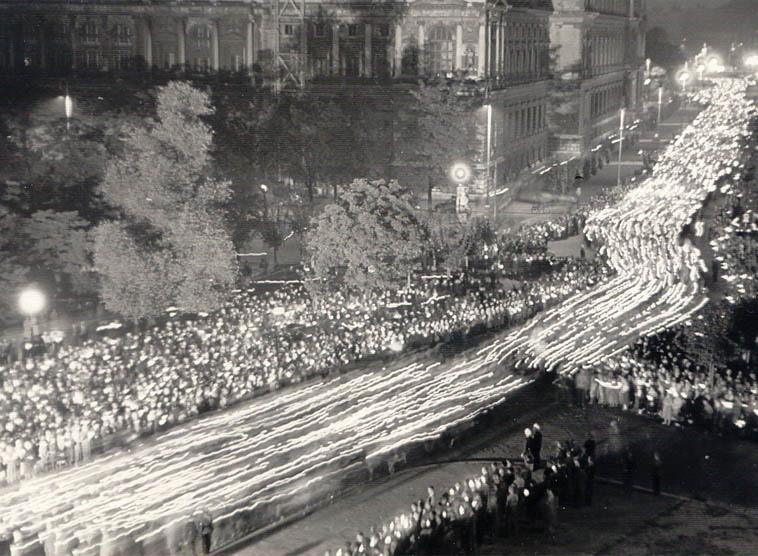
441,50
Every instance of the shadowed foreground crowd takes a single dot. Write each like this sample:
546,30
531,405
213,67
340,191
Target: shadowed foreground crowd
497,503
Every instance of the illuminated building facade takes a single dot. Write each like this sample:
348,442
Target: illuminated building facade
501,48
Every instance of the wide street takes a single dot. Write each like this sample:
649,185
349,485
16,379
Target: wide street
710,468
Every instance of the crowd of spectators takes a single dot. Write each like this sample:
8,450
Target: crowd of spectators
55,407
504,497
656,379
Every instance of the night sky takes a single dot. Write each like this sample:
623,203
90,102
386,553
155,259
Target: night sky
718,22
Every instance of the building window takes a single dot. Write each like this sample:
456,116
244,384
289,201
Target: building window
201,36
92,59
237,62
320,30
352,30
321,66
203,64
123,34
170,60
289,30
90,33
121,59
384,30
441,49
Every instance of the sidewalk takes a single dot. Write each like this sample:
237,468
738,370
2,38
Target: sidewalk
696,464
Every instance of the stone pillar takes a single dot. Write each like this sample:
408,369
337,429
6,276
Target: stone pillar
368,70
459,46
397,69
481,52
498,50
181,47
42,46
72,27
249,51
336,49
421,49
214,45
148,42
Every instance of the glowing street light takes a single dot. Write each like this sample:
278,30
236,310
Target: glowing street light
684,77
460,172
31,303
68,107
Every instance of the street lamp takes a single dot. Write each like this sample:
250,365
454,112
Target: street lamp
683,78
460,172
489,154
31,302
660,101
621,144
700,71
648,61
264,188
68,107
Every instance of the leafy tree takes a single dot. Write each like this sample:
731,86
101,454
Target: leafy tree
60,244
12,273
440,132
305,137
63,164
370,238
170,245
660,49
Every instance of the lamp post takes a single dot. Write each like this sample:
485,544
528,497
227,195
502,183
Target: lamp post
621,145
264,188
489,155
660,101
31,302
68,107
460,172
684,77
648,61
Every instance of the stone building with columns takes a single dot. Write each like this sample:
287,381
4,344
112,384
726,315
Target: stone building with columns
501,50
599,62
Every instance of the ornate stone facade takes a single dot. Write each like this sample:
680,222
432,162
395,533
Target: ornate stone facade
501,48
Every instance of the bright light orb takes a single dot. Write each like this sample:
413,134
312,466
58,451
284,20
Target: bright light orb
31,302
460,172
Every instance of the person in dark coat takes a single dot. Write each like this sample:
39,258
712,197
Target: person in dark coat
656,472
589,446
590,470
630,466
536,444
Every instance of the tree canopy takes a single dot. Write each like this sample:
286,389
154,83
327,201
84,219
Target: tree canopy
169,244
370,238
441,131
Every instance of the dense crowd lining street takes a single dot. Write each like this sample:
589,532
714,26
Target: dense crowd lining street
298,444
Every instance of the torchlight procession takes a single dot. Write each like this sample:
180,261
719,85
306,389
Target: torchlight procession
299,443
422,279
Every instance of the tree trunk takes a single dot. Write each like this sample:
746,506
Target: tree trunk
429,192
